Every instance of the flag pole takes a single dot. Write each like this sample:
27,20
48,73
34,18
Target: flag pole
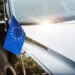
23,65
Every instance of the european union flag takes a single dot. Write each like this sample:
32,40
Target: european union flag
15,37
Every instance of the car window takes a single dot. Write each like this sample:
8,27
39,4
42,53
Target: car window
35,10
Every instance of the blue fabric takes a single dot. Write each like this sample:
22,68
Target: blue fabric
15,37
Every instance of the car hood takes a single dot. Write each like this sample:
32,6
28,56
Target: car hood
58,37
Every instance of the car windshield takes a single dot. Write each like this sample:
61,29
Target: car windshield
37,10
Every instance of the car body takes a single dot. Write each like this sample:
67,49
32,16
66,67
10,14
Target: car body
49,23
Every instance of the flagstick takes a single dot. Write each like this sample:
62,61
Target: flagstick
23,66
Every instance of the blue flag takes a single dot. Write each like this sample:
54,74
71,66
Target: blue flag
15,37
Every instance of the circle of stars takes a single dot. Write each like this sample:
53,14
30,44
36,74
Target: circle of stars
15,34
